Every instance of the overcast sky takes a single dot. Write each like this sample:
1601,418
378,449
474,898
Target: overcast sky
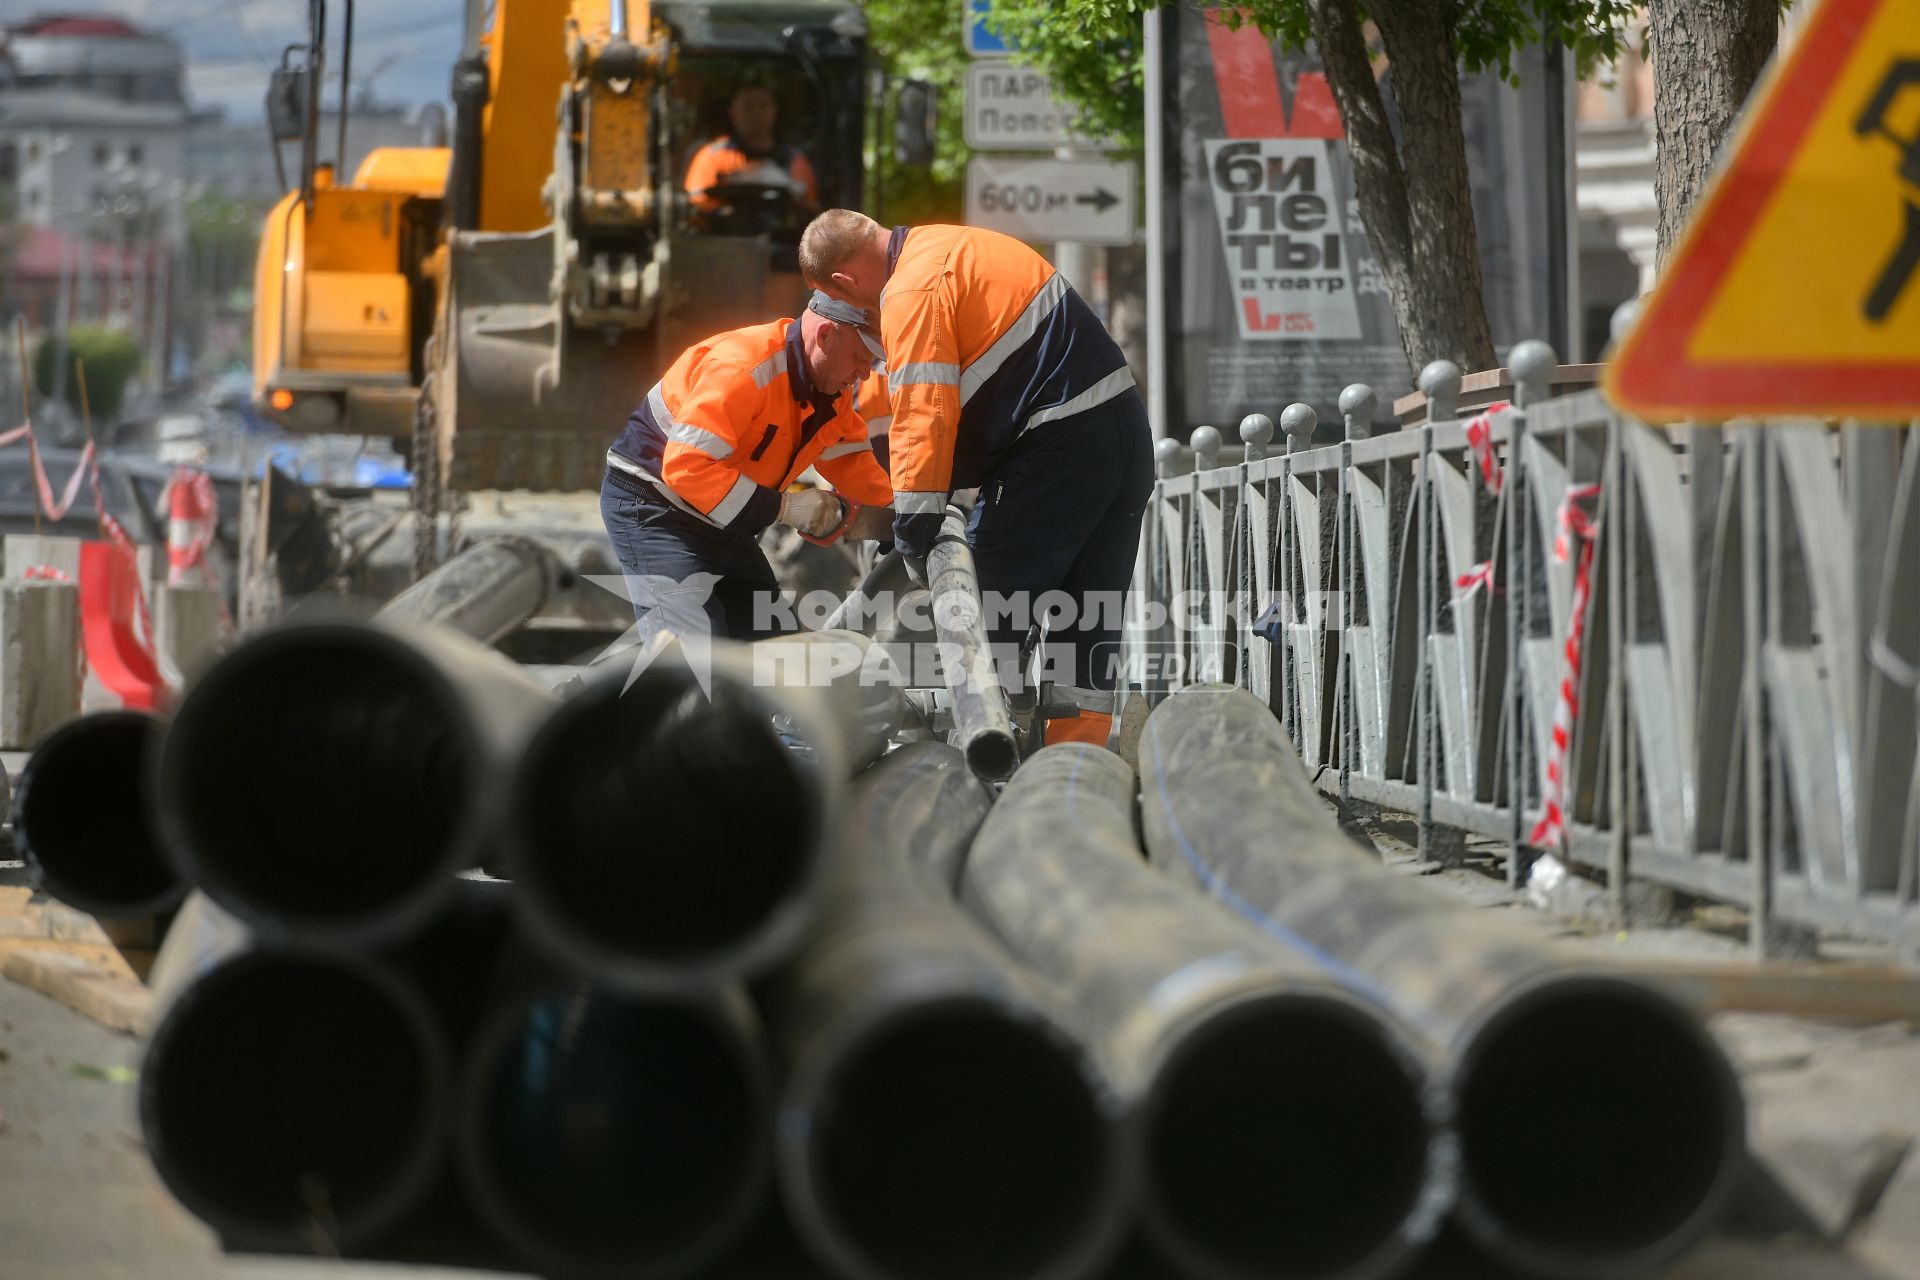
403,49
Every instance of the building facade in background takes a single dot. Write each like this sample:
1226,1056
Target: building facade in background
93,115
235,157
93,151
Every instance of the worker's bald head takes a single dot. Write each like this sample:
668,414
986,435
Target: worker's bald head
836,358
844,253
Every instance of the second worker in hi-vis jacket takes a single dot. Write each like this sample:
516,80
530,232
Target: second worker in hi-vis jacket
710,458
1002,378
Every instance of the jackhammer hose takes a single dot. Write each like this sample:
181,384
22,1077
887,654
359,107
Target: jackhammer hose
1602,1129
938,1120
1287,1128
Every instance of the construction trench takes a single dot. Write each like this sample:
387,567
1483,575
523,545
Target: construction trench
841,1004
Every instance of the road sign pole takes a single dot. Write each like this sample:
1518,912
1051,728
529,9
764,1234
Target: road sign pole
1153,36
1071,258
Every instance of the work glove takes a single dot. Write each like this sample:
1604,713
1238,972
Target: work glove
814,512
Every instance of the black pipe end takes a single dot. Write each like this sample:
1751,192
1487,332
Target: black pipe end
1603,1129
296,1103
958,1138
81,819
665,835
323,780
993,755
602,1134
1291,1134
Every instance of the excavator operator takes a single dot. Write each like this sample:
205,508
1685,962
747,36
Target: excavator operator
706,461
1002,377
747,180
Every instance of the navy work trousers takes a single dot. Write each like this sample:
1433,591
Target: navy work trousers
1062,513
658,543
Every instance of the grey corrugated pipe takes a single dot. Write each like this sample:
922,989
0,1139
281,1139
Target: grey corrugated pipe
603,1134
1602,1129
323,781
667,825
82,822
939,1122
1287,1129
295,1100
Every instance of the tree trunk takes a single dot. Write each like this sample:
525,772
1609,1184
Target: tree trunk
1706,56
1415,200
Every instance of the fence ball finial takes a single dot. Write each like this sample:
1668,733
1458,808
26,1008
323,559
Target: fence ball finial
1298,421
1256,432
1205,443
1532,364
1440,382
1170,458
1356,409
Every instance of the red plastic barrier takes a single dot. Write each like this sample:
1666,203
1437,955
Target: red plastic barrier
109,594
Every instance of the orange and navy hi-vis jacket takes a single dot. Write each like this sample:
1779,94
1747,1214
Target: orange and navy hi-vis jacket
724,160
734,421
985,342
875,407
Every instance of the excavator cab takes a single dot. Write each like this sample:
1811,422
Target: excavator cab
747,228
504,302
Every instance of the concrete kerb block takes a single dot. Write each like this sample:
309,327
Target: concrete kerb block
188,620
40,670
24,551
1836,1179
1890,1238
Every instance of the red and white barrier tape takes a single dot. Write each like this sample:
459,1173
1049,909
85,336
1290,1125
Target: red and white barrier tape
1480,440
46,573
192,517
1481,575
51,507
1574,523
87,471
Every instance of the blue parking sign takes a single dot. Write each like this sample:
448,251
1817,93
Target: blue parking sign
982,43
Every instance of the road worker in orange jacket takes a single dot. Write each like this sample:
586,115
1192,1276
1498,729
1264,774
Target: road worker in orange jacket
706,461
875,407
750,155
1001,377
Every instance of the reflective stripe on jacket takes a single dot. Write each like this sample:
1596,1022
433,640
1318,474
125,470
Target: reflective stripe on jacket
735,420
985,342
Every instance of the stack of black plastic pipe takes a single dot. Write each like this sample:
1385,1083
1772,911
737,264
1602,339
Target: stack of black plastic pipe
1101,1025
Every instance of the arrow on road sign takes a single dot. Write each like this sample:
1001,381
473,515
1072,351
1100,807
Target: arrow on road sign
1081,200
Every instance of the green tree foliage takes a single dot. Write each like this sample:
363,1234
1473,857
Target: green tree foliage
1091,48
112,358
920,40
223,235
1412,188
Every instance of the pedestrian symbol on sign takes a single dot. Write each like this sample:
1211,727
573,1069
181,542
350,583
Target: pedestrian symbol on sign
1901,76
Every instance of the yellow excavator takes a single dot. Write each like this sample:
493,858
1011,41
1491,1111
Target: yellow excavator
503,302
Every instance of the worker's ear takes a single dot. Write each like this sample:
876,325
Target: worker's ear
841,286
